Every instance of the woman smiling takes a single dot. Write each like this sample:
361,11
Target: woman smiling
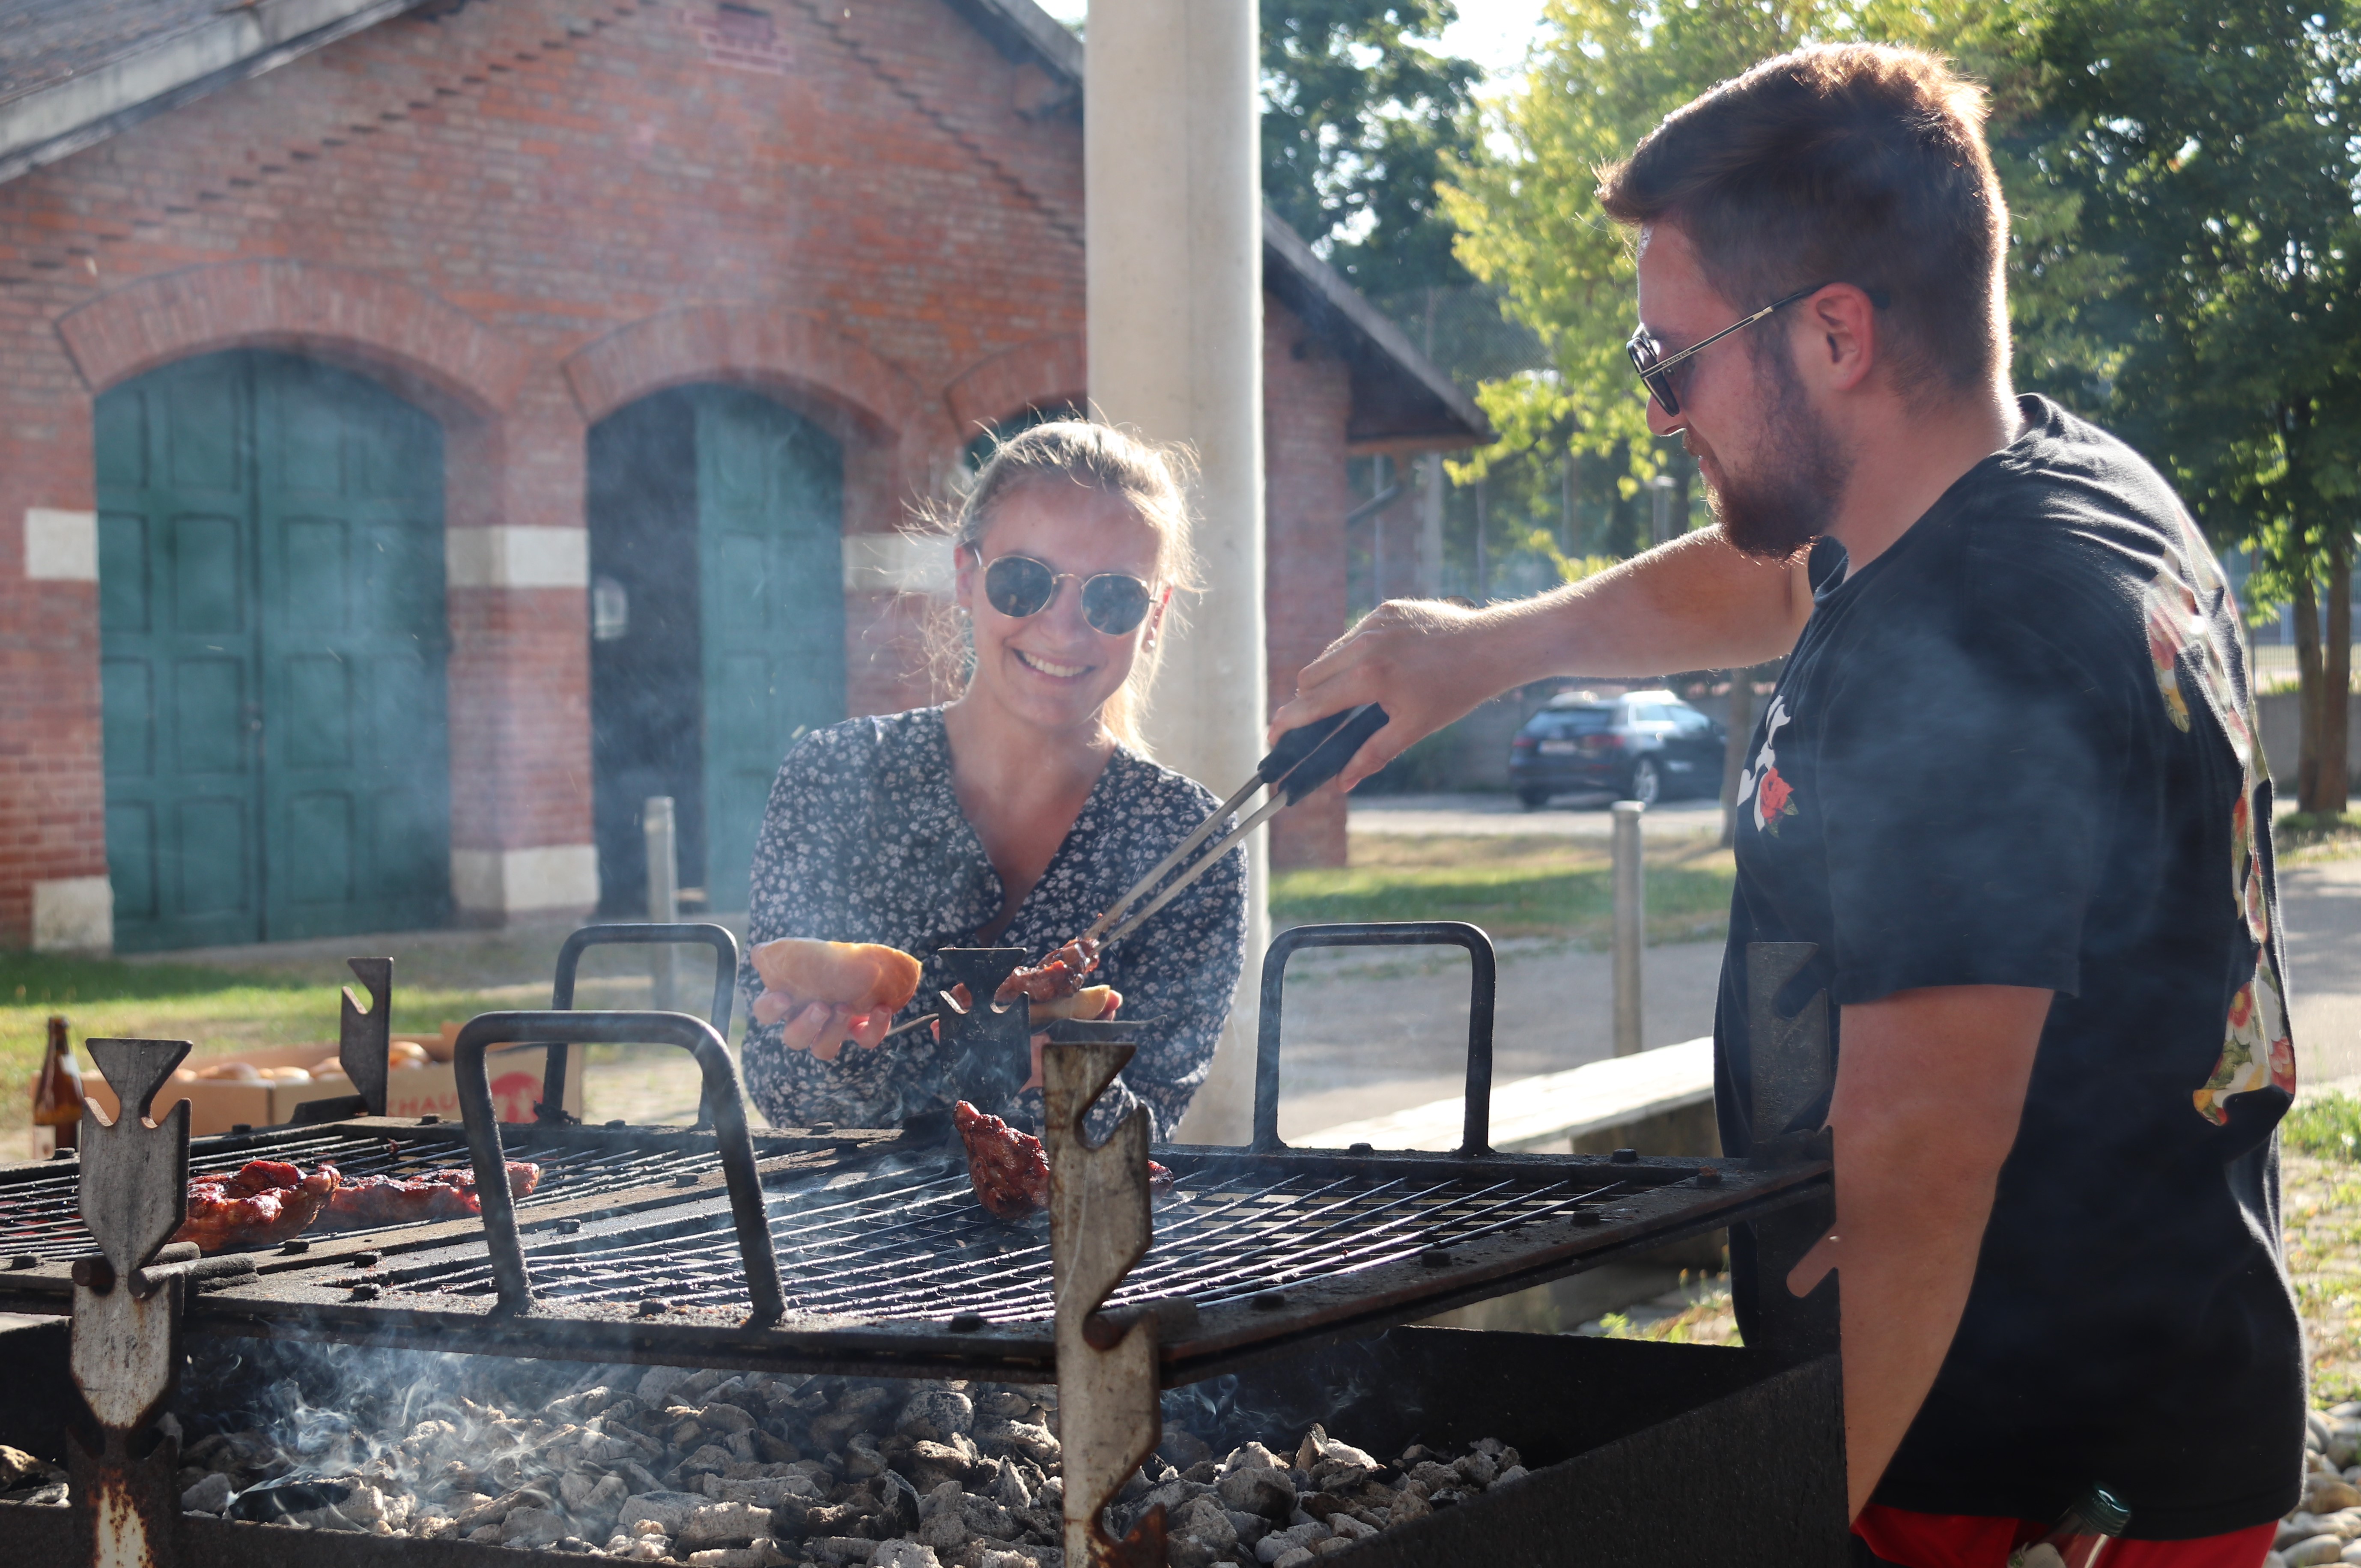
1015,815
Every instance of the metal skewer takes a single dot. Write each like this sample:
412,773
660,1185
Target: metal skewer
1303,760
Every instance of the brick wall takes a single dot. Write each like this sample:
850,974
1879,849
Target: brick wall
1307,399
521,217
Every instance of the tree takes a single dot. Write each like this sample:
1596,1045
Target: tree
1358,112
2214,153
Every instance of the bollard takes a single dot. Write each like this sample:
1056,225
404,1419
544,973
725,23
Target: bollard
664,894
1631,925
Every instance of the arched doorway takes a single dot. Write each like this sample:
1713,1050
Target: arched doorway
273,644
717,568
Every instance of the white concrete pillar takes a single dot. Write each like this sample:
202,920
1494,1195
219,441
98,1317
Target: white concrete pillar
1173,187
1430,525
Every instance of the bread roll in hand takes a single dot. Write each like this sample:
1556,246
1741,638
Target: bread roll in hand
863,976
822,994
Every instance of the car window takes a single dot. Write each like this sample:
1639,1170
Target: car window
1651,713
1691,721
1580,720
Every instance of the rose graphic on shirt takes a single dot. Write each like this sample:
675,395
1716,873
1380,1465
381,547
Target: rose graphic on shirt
1755,783
1774,798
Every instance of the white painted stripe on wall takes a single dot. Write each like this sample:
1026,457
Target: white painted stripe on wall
510,881
896,562
60,546
517,557
73,913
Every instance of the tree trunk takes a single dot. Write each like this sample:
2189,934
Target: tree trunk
2309,679
1740,723
2336,677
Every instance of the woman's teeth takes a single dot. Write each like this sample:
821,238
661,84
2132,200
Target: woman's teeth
1034,662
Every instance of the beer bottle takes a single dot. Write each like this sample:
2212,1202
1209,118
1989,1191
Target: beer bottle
56,1096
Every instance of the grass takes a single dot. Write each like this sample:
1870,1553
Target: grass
2301,836
2326,1126
1512,886
273,1002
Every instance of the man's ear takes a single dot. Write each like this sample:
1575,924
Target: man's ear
1842,345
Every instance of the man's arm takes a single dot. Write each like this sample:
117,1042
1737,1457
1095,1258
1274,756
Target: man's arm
1930,1086
1694,604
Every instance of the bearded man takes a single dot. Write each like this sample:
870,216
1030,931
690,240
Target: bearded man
2007,788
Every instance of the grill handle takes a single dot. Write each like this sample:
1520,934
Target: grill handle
1483,979
561,991
721,1095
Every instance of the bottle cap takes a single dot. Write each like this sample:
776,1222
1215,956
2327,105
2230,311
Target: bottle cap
2104,1511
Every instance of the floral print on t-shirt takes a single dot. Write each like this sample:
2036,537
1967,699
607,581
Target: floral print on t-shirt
864,842
2257,1047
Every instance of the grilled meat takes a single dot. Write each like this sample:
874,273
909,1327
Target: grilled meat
1009,1169
264,1203
438,1195
1055,978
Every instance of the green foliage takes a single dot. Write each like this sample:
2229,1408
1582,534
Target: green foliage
1539,892
1357,112
2325,1125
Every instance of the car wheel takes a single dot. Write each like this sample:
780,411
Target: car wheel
1647,784
1534,800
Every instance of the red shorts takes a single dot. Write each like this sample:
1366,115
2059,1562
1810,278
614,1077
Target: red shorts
1971,1541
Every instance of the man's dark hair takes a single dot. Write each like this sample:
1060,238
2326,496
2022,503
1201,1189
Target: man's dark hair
1848,163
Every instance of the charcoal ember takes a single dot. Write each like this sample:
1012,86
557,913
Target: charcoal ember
639,1547
209,1495
900,1553
666,1510
1200,1534
1022,1440
656,1387
764,1553
1010,1489
1409,1504
837,1550
715,1416
1249,1528
1259,1489
899,1505
1004,1405
1432,1477
1332,1465
763,1491
1010,1557
772,1448
722,1524
1479,1469
534,1527
836,1520
298,1491
929,1465
1280,1543
936,1414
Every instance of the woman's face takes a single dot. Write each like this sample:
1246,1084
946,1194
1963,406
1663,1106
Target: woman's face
1054,669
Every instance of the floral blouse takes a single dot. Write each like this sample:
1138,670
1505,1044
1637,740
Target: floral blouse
863,841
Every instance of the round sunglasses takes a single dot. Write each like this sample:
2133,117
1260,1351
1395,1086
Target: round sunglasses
1112,602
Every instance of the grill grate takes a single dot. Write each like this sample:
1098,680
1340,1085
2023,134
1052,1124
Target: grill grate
907,1241
40,1217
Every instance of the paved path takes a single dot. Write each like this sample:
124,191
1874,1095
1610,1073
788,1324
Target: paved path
2319,904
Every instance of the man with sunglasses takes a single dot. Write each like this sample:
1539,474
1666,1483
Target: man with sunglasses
2008,792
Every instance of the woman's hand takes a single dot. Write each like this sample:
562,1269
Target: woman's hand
818,1027
1115,1003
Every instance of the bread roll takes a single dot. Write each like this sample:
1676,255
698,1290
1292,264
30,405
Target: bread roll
1088,1002
863,976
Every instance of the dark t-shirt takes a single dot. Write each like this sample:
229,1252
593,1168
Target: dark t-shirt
2016,749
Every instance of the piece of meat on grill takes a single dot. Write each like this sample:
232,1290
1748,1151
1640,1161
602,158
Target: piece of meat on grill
263,1203
1055,978
438,1195
1009,1169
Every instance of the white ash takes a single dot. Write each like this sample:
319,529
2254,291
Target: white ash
723,1470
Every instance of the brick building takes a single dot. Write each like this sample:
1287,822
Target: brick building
346,345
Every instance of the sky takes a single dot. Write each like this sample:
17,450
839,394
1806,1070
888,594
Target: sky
1492,33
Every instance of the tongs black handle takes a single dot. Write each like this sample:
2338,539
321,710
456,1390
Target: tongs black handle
1310,756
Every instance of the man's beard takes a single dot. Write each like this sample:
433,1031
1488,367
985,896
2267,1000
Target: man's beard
1788,501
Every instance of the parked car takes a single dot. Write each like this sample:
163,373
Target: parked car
1643,745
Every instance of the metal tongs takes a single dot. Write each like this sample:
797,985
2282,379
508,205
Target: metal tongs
1303,760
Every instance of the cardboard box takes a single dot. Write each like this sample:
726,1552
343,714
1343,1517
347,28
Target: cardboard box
217,1105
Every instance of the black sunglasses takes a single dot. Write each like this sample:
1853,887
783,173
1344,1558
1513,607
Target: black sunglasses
1112,602
1656,373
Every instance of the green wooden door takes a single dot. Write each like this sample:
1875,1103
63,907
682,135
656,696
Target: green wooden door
771,564
273,644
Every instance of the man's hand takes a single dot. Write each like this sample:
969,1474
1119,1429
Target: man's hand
1427,661
1694,604
1930,1087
